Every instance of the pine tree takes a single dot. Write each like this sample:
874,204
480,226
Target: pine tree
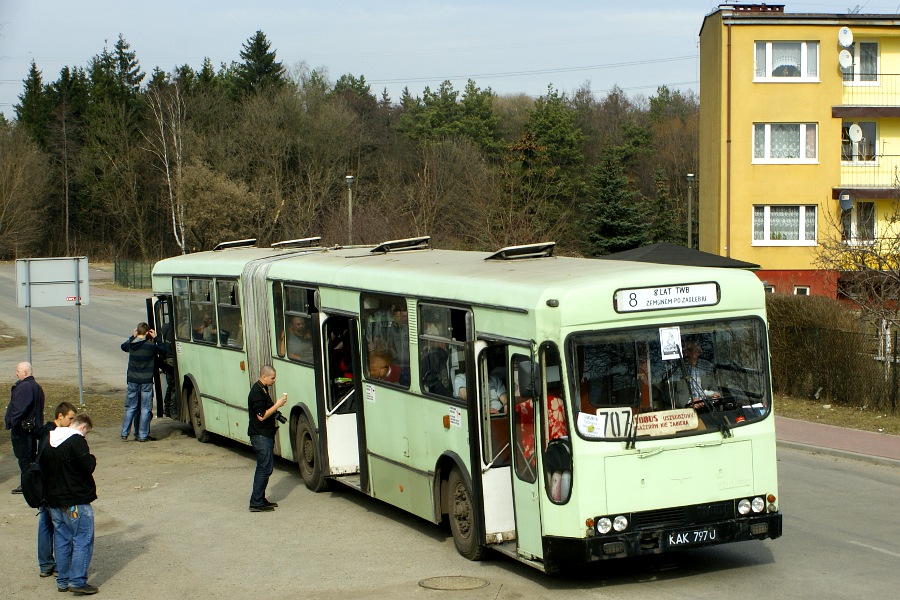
617,219
33,110
259,69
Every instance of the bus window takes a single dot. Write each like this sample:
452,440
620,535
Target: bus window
557,448
182,310
203,314
523,419
443,332
228,305
296,340
386,338
495,404
716,369
278,307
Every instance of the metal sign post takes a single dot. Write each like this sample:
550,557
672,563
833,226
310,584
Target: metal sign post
45,282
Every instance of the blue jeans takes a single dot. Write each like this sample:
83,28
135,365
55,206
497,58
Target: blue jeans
73,540
45,541
138,393
265,462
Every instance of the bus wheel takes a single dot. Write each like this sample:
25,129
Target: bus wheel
308,457
196,412
462,518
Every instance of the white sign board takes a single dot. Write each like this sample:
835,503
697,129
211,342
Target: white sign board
666,297
42,282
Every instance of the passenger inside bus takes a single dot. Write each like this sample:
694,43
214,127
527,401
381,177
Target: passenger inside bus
436,365
205,331
382,367
299,341
497,397
397,340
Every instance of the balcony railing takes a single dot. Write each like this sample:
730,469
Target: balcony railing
881,173
884,90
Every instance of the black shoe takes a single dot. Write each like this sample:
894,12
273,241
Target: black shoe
18,490
262,508
48,573
124,438
149,438
272,504
65,589
87,590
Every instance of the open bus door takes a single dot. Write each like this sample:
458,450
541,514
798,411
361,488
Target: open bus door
495,449
159,318
524,397
341,404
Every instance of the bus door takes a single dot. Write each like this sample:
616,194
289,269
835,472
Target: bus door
495,450
524,410
341,372
159,312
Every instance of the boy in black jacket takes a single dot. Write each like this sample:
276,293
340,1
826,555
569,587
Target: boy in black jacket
68,468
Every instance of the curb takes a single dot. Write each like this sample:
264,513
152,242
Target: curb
878,460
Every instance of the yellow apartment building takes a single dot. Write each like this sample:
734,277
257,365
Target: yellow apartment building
799,137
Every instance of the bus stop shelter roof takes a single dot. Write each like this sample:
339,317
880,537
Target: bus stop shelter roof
672,254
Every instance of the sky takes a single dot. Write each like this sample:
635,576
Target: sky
510,46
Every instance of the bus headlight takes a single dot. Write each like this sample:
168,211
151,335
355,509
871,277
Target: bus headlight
604,525
758,504
620,523
744,506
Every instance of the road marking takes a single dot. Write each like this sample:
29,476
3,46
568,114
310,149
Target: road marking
875,548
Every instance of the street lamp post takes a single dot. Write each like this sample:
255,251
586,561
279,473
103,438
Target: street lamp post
349,180
690,216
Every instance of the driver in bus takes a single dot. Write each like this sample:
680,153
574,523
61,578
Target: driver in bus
695,383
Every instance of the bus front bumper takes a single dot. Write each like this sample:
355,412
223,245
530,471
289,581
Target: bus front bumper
560,552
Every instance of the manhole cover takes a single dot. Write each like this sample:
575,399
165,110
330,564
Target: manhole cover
453,582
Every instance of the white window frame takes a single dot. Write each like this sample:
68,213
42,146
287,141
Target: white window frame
768,160
855,158
854,239
769,289
805,63
767,241
857,74
801,290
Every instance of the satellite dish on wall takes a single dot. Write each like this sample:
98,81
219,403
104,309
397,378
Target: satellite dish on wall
845,59
845,200
845,37
855,133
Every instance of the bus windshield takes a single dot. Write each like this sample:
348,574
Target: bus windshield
671,379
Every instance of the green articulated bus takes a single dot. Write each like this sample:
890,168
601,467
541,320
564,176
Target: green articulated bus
556,410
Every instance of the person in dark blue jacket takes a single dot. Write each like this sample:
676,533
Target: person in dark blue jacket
142,353
24,417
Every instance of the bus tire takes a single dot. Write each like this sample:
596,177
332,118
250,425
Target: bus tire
195,409
461,513
308,457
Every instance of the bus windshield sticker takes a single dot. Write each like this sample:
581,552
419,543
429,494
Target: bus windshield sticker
455,416
661,298
666,422
670,342
607,423
369,392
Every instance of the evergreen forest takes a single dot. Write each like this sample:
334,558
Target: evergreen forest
111,160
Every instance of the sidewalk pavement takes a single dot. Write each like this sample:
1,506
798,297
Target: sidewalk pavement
874,447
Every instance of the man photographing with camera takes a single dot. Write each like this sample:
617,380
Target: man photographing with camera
24,417
263,414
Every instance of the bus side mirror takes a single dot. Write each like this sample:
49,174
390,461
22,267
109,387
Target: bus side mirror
529,379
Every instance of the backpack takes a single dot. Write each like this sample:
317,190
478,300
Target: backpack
33,488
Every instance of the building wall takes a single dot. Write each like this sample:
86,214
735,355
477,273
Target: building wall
731,103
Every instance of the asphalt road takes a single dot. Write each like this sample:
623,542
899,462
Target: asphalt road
172,522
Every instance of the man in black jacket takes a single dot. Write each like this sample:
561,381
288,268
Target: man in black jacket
261,429
65,414
24,416
68,467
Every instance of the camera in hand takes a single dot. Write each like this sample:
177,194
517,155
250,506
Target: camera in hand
280,417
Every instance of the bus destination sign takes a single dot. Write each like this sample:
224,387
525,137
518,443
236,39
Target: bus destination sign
661,298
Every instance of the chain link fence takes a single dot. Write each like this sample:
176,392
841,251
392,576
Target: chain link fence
132,274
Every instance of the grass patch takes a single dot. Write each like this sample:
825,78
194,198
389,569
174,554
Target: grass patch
852,417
